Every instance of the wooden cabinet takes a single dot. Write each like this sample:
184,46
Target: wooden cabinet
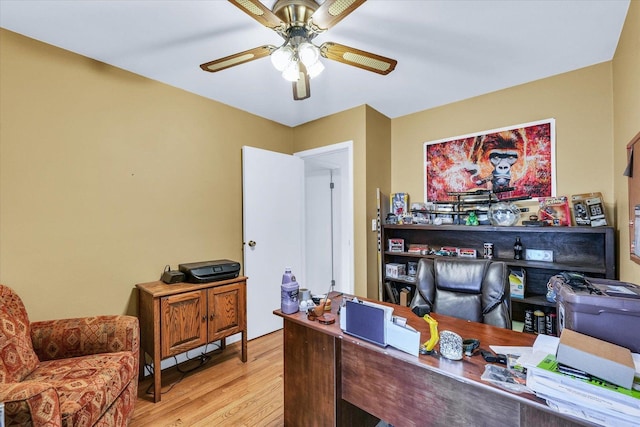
589,250
182,316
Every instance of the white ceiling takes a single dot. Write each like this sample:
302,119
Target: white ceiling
446,50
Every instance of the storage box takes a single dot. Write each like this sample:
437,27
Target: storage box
601,359
404,297
517,278
396,245
395,270
613,315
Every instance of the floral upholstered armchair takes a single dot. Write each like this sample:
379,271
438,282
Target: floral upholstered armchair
68,372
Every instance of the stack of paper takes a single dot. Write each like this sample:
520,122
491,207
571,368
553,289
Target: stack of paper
593,399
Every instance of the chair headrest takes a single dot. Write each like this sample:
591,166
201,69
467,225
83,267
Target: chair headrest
459,275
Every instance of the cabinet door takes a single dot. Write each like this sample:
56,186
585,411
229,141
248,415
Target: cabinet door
183,324
227,308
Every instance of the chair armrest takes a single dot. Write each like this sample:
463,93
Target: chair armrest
30,403
64,338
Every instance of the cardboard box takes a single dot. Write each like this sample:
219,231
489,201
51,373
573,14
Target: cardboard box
599,358
395,270
404,297
396,245
517,282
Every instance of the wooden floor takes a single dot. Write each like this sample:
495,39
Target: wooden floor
222,392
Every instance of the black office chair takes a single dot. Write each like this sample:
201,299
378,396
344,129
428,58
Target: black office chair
476,290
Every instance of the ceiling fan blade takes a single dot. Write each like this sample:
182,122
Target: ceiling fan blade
358,58
331,12
301,87
259,12
238,58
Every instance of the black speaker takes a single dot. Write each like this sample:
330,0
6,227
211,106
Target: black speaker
172,276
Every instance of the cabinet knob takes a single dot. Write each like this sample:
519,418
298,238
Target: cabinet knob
211,316
204,318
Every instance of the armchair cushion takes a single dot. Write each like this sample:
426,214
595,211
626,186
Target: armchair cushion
17,357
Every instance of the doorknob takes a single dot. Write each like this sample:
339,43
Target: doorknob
252,243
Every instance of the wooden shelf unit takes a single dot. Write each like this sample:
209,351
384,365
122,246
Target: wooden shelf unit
183,316
588,250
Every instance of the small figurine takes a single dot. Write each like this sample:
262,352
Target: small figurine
472,219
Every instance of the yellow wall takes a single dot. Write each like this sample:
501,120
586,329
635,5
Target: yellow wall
106,176
580,101
626,111
378,176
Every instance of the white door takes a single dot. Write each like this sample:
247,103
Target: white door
273,227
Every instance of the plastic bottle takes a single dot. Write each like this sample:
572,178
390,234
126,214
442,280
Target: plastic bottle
289,292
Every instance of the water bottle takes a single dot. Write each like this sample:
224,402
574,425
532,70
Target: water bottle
289,292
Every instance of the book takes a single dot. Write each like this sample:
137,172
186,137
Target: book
588,210
546,379
554,211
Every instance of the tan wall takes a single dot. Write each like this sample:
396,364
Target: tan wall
345,126
106,176
378,176
580,101
626,111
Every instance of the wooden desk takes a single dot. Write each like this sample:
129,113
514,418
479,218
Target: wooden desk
331,378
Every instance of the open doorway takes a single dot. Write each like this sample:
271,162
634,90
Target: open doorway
328,240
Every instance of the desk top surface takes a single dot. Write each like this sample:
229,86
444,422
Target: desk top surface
469,369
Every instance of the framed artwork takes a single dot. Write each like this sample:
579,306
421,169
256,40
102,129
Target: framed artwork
519,158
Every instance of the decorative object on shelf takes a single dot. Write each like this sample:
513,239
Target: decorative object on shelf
391,218
395,270
517,248
539,255
396,245
487,250
504,214
467,252
519,156
472,219
400,204
588,209
555,211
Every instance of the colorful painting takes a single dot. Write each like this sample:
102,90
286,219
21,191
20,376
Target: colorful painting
516,162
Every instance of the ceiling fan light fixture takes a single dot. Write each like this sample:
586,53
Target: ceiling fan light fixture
282,57
291,72
308,53
315,69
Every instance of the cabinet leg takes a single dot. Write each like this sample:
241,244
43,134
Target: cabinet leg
157,379
244,346
223,343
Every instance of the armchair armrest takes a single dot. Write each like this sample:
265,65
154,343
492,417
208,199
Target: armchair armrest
64,338
30,403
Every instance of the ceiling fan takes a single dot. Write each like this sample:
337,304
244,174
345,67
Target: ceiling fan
298,22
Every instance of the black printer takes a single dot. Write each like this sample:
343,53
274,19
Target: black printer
210,271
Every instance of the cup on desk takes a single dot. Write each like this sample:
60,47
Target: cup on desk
305,294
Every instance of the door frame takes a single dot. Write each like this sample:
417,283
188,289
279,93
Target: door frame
347,216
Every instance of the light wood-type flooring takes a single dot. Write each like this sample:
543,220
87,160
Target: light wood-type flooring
222,392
